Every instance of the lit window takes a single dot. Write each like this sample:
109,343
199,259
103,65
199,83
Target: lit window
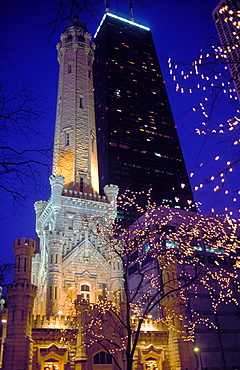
151,364
51,364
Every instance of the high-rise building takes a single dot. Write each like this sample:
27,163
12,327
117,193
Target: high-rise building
138,144
226,17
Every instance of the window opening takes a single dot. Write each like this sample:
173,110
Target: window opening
51,364
151,364
85,292
67,139
85,288
81,184
51,292
81,102
102,358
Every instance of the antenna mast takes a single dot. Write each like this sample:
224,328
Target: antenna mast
106,7
131,11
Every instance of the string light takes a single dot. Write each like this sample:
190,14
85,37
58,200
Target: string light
169,259
209,81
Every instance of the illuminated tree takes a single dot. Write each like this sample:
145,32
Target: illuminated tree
208,86
165,260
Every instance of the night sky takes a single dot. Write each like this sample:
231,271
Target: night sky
180,29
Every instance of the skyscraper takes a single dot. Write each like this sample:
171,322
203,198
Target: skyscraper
138,145
226,16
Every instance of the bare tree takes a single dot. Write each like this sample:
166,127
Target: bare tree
88,10
23,151
6,273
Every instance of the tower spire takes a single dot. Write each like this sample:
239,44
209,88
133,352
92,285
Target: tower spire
75,150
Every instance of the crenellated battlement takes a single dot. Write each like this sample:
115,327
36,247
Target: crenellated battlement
56,321
24,241
81,195
56,236
111,192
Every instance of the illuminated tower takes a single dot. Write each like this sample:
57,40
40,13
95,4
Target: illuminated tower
75,151
71,262
138,144
226,17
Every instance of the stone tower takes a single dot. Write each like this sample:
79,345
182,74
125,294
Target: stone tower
18,344
72,261
75,150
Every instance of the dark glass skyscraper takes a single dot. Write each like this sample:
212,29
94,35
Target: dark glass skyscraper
138,145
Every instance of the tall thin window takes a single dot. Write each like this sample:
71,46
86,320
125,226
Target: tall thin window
67,139
81,102
81,184
69,68
51,292
85,292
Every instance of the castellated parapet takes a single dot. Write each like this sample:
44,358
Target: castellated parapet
23,254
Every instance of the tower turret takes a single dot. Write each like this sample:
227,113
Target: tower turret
54,282
75,150
20,298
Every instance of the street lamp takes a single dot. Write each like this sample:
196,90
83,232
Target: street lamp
197,350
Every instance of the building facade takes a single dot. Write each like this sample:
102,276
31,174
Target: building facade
226,18
138,143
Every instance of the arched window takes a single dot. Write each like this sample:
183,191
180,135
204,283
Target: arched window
85,292
85,288
102,358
